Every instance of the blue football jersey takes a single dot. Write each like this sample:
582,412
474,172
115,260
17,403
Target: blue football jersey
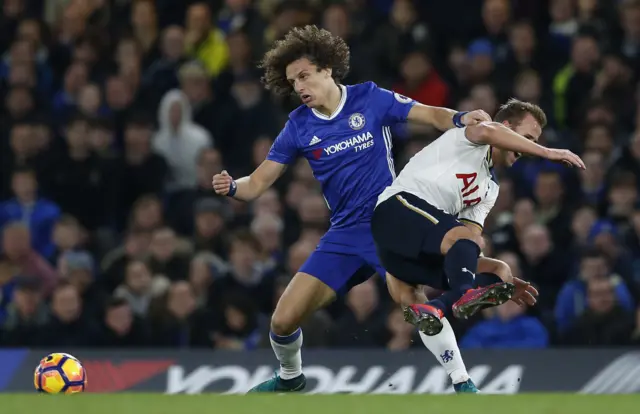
349,151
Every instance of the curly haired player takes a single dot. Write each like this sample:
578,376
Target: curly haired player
344,133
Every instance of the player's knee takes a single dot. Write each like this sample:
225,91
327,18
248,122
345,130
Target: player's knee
404,294
284,323
460,233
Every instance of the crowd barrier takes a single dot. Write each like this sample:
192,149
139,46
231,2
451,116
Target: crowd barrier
602,371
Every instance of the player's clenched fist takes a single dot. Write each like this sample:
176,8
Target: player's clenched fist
222,183
475,117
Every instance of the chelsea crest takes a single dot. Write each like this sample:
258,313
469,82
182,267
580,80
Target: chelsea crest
356,121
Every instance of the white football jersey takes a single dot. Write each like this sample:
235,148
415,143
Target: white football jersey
452,174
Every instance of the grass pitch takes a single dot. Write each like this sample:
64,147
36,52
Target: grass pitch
318,404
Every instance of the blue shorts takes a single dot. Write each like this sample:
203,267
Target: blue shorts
344,258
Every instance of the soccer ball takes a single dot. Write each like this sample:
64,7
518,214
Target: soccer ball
60,373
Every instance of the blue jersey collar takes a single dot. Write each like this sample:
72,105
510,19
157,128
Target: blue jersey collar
335,113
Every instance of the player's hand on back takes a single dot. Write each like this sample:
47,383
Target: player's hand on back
566,157
475,117
222,183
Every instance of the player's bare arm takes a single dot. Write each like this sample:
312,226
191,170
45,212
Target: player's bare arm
250,187
444,118
500,136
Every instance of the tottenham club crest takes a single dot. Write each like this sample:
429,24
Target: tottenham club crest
356,121
401,98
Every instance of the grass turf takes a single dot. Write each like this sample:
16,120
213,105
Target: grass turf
318,404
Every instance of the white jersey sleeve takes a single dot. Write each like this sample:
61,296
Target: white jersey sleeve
478,214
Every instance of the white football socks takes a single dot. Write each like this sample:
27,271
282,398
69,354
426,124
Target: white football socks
444,347
287,350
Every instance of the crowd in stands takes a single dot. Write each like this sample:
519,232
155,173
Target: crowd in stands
117,113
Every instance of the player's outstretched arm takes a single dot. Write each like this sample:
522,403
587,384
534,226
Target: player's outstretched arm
250,187
499,136
444,118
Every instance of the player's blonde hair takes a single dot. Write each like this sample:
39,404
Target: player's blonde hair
515,110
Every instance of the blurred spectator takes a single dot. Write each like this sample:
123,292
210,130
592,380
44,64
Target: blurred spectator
26,314
239,15
18,258
19,103
523,53
140,287
259,117
581,225
121,328
593,178
572,299
481,57
246,273
119,95
211,214
622,196
67,326
604,236
147,213
484,97
267,204
421,82
509,236
177,322
161,76
604,322
181,207
21,152
507,327
82,184
179,140
144,172
114,265
240,63
78,269
66,100
203,270
630,154
238,329
543,265
574,82
268,229
630,21
361,325
102,137
551,210
67,236
23,52
496,15
208,110
38,214
204,41
144,22
90,101
403,32
166,257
